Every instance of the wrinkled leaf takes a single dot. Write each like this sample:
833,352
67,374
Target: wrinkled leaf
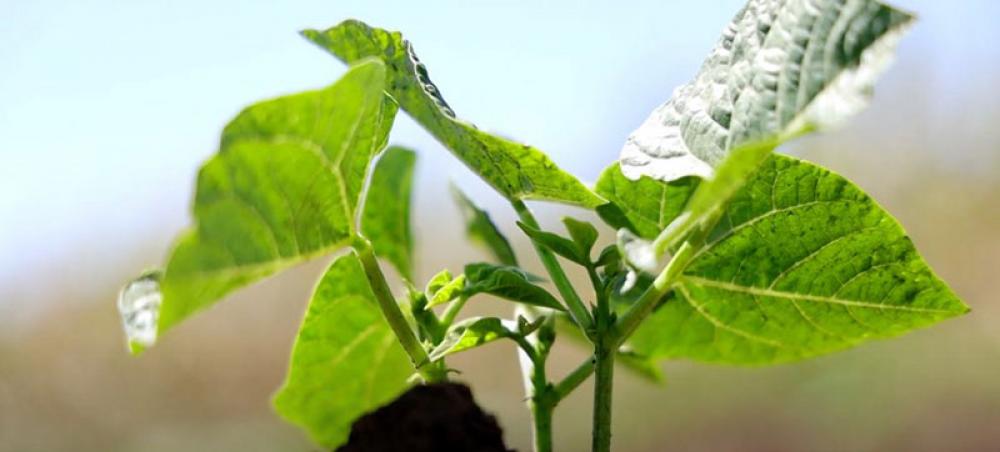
386,216
471,333
510,283
441,279
283,188
516,170
781,67
346,360
481,229
802,263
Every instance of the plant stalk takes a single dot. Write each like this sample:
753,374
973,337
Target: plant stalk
604,372
577,309
639,310
394,316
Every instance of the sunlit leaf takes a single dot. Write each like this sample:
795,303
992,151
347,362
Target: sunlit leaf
283,188
516,170
346,360
802,263
471,333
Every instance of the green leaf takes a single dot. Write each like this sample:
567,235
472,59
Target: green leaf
386,216
283,188
471,333
346,360
516,170
481,229
649,205
779,69
583,233
802,263
441,279
454,289
506,282
555,243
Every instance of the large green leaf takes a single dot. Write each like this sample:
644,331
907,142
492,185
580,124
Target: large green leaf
802,263
506,282
283,188
346,360
516,170
386,216
481,229
781,67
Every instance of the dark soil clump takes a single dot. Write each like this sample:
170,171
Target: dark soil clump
440,417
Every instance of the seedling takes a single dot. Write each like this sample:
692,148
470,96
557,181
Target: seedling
726,252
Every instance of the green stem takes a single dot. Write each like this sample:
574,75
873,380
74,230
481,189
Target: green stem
576,307
631,319
541,414
452,311
574,379
604,372
393,315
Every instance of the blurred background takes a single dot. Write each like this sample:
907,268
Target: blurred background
107,109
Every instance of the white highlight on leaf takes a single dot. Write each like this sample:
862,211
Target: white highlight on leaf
781,66
139,305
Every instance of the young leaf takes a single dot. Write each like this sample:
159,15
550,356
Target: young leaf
510,283
471,333
648,204
555,243
283,188
583,233
448,292
345,361
480,228
386,216
441,279
516,170
803,263
779,69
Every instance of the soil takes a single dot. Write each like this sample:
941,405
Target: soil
440,417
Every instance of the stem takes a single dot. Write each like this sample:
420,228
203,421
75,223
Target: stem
574,379
452,310
577,309
541,415
631,319
392,314
604,372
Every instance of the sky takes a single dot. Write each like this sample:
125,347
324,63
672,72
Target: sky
107,108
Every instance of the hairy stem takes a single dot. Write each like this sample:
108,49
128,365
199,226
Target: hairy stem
394,316
540,395
576,307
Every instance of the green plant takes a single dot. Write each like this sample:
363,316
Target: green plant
771,259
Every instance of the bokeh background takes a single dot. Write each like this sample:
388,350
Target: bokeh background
107,108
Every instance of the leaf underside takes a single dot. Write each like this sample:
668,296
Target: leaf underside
802,263
283,188
516,170
386,216
780,67
346,360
